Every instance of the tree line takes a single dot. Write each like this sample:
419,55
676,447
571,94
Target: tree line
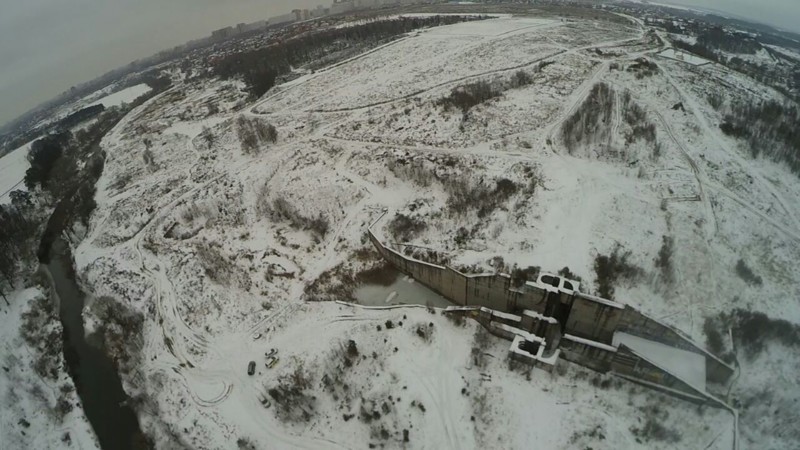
56,177
717,38
770,128
785,79
589,124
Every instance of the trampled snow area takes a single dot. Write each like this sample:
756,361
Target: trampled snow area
12,171
223,250
126,95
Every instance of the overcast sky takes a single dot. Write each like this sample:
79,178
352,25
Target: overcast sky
784,14
46,46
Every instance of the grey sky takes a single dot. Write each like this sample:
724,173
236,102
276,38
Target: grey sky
46,46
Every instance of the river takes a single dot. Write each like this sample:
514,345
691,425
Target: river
94,374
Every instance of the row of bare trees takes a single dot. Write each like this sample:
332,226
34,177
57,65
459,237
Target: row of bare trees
253,133
590,123
770,129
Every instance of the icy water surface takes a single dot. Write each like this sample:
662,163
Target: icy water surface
404,290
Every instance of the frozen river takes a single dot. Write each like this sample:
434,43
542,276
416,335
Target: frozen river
404,291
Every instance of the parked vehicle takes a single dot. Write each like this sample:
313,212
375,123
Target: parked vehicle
271,362
251,367
272,352
265,402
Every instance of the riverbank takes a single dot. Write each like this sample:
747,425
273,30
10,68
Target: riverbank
92,370
31,416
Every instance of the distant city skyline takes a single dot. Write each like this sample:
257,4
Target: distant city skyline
783,14
47,46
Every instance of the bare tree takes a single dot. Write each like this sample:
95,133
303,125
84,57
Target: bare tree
208,136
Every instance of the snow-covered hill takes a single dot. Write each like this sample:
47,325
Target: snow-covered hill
220,245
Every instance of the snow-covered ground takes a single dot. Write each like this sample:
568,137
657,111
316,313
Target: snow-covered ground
126,95
689,39
686,57
197,234
788,52
31,416
12,171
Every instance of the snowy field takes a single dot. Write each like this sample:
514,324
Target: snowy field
12,171
220,247
686,57
436,61
788,52
126,95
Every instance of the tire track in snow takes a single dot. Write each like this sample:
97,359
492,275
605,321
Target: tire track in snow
419,33
439,392
252,110
748,206
227,388
576,100
579,95
705,184
703,122
711,226
169,310
176,332
700,176
437,407
443,396
353,319
296,292
438,85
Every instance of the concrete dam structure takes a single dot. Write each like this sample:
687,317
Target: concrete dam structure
550,318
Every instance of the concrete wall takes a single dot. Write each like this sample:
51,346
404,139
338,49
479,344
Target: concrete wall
586,355
490,291
527,298
589,317
444,280
526,360
593,320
